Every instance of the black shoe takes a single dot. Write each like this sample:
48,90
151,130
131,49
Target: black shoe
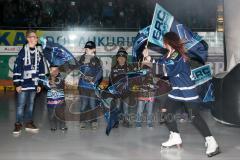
17,129
53,129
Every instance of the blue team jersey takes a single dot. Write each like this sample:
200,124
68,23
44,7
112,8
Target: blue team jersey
179,72
55,93
30,75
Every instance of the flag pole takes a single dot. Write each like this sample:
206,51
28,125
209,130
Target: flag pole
146,46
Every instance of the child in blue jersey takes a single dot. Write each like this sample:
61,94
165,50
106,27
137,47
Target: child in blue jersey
56,100
183,93
27,75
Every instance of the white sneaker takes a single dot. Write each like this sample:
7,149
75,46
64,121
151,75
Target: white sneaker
212,146
174,140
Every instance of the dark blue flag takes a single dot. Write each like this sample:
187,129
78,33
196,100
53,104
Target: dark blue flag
139,41
56,54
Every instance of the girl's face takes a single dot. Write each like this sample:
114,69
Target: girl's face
167,46
121,60
32,39
89,51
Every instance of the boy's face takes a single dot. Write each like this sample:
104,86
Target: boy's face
32,39
121,60
89,51
54,71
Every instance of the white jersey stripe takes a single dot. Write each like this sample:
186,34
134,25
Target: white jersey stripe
185,88
183,98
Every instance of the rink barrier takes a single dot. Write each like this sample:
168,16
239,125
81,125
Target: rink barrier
6,85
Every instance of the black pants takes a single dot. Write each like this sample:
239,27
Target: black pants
56,117
193,110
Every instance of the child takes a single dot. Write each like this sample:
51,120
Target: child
28,69
56,100
118,72
91,69
146,91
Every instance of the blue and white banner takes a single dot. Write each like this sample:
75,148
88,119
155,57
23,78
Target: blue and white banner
202,74
161,23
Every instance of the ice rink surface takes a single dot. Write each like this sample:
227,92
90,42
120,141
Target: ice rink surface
123,143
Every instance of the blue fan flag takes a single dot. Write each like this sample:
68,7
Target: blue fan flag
164,22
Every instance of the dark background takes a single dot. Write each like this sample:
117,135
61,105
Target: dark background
199,15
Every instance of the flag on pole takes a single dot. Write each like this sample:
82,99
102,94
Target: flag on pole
164,22
161,23
197,48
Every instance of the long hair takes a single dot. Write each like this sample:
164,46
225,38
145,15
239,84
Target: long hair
172,39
